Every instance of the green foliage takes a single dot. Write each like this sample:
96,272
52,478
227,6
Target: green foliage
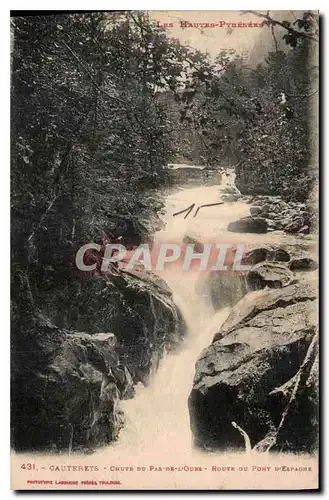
303,28
256,118
89,137
102,102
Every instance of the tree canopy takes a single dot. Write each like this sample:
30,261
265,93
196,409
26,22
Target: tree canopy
102,102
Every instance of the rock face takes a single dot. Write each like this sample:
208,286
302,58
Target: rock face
270,274
304,263
272,267
249,373
225,289
257,255
248,225
73,363
66,390
139,310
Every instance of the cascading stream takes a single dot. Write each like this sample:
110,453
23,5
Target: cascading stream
155,448
157,418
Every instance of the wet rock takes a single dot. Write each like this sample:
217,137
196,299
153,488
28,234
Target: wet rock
281,255
255,210
261,346
101,336
225,288
248,225
284,253
257,255
70,384
270,274
262,300
302,264
292,217
139,310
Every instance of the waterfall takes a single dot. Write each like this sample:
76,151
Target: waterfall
155,449
157,418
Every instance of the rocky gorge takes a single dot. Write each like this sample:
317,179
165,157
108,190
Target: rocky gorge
90,343
256,385
106,354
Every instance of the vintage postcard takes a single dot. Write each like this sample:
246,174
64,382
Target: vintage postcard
164,237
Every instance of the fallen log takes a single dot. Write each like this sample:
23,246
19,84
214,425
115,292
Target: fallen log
188,210
207,205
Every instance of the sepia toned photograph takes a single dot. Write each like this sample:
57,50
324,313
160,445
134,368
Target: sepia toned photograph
164,250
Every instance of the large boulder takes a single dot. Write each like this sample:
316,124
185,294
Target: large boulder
270,274
139,310
302,263
249,225
225,288
260,347
94,339
269,253
66,387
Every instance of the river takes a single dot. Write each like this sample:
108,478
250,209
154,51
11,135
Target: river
157,431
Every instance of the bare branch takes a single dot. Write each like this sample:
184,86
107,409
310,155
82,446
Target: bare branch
299,381
274,22
274,38
115,98
208,205
188,210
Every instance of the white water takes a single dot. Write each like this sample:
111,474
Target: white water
157,430
154,450
157,418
